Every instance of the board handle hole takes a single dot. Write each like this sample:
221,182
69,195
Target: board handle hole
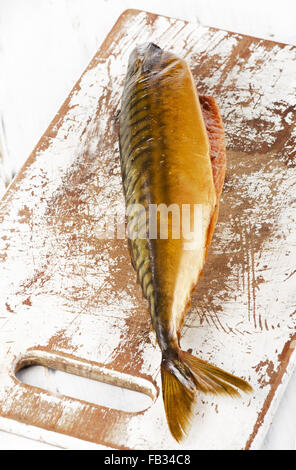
74,378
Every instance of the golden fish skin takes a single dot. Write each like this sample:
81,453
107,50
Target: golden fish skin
166,159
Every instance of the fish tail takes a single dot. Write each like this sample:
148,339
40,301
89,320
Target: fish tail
182,375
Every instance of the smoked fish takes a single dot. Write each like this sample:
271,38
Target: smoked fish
172,154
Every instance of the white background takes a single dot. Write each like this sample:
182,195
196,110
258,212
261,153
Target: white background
44,47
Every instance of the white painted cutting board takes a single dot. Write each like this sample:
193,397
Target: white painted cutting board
71,300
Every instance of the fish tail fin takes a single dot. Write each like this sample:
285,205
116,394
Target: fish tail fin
182,375
178,391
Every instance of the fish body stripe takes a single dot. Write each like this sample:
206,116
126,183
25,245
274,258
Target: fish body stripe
130,137
136,147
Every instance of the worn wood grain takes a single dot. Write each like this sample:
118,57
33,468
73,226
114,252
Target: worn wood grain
71,299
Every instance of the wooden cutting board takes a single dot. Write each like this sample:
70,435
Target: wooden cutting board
69,299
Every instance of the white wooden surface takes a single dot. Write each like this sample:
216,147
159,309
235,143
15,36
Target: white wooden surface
44,47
